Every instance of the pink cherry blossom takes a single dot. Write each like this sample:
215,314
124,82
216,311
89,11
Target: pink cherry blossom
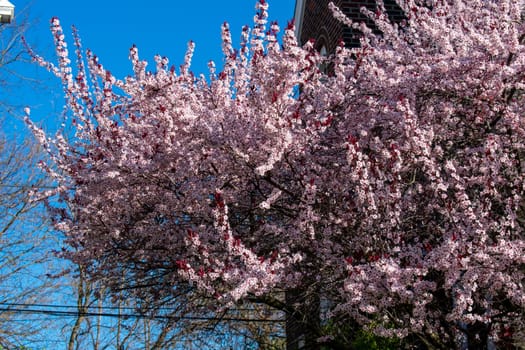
392,185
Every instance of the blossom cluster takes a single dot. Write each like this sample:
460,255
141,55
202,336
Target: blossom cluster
395,180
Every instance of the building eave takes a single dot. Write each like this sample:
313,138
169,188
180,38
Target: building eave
298,18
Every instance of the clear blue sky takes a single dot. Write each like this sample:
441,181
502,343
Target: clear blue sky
110,27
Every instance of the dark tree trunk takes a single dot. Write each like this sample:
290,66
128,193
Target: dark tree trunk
302,321
478,336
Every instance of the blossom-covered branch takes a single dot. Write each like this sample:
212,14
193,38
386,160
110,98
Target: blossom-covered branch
392,185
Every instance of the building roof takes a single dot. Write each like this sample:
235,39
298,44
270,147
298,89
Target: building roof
298,17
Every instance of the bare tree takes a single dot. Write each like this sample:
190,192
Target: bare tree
25,237
24,242
129,320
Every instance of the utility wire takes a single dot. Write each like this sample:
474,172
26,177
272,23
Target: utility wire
58,306
76,313
29,186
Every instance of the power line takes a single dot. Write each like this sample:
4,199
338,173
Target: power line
29,187
74,306
39,309
58,306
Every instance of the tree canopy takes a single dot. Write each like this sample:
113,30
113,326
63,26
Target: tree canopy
390,184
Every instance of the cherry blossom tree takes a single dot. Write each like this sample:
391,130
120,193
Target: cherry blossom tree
390,189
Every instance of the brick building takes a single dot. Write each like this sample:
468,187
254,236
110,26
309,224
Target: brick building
314,20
